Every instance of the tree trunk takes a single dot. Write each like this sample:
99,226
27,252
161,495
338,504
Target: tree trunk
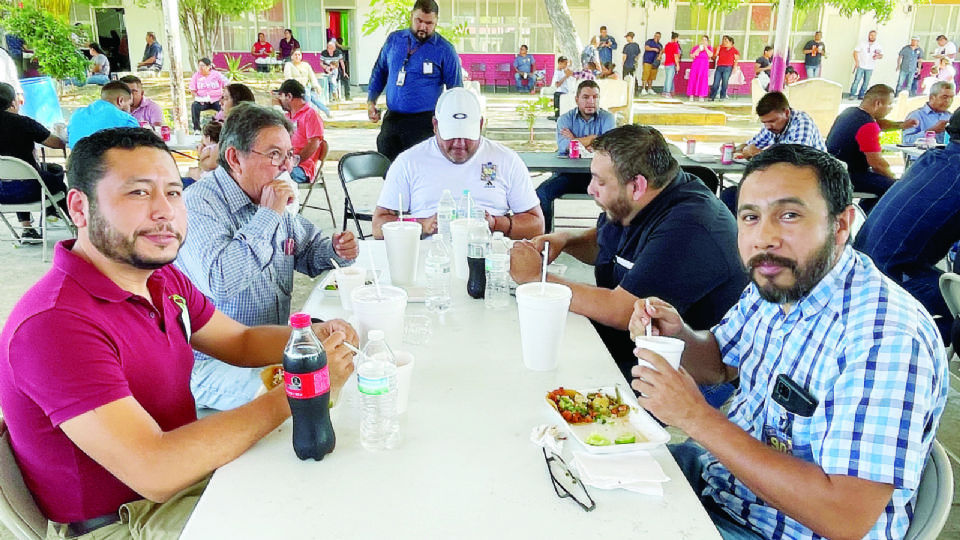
172,19
565,32
781,45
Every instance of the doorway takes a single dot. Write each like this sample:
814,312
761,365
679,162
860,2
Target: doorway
112,35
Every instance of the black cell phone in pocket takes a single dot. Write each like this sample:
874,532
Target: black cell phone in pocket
793,397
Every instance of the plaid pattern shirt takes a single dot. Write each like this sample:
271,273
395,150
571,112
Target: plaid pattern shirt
800,129
236,256
873,358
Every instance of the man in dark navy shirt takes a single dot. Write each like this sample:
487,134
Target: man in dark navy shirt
913,226
414,66
663,233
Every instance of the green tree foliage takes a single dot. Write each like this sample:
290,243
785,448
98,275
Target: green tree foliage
49,37
201,21
881,9
395,14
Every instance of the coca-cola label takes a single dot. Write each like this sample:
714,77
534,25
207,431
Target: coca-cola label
307,385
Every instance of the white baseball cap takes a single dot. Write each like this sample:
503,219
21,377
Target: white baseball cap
458,115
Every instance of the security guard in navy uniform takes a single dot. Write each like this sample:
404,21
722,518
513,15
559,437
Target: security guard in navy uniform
414,66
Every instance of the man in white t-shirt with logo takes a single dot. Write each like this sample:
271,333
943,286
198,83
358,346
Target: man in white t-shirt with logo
945,49
459,158
865,57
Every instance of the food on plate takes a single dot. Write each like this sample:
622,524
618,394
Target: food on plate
272,376
577,409
617,432
626,438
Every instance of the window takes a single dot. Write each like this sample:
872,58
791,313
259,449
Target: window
309,24
239,33
500,26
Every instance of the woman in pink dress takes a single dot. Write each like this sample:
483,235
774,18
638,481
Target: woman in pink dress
698,86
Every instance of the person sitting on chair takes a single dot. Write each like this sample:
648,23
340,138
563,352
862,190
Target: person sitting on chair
111,110
582,124
662,233
459,158
308,129
933,116
245,245
18,135
207,86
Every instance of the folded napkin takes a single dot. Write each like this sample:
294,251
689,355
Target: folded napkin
633,471
549,437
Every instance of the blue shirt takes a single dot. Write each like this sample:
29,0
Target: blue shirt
914,224
872,357
927,118
909,58
429,65
650,56
524,64
606,53
155,51
800,129
94,117
598,124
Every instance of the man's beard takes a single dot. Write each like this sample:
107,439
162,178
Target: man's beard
112,244
620,208
422,35
805,278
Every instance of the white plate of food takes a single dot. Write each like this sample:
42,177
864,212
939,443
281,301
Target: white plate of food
703,158
606,420
329,282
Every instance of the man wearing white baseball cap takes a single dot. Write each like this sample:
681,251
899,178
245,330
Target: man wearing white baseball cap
459,158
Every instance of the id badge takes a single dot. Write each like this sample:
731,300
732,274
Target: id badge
402,76
428,68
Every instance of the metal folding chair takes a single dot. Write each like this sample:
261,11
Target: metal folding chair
17,170
321,182
358,166
18,511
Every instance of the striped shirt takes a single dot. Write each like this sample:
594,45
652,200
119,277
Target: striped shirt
872,357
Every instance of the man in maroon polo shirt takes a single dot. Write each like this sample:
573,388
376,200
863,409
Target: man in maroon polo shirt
95,359
308,129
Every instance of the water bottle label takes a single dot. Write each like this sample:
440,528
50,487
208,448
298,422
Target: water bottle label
307,385
373,386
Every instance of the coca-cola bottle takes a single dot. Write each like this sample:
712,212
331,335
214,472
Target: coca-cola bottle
477,241
307,382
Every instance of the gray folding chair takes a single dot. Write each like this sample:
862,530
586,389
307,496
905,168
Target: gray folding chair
358,166
17,170
934,497
319,182
18,511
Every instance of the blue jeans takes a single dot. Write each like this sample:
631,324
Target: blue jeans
555,187
904,81
669,74
220,386
688,455
98,79
812,72
720,79
299,176
523,84
198,106
317,101
864,74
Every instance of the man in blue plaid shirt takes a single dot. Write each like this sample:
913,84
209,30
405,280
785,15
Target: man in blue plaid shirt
245,245
782,125
843,377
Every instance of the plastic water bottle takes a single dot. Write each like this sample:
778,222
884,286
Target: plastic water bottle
307,383
446,212
497,294
377,383
477,241
438,276
464,202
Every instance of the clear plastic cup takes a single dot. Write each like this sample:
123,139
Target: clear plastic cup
384,311
543,319
403,250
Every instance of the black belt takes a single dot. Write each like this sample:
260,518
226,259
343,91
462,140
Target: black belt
80,528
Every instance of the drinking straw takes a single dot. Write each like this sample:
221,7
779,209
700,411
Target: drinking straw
351,347
376,281
335,264
543,269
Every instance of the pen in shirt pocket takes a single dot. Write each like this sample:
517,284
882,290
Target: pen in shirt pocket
289,246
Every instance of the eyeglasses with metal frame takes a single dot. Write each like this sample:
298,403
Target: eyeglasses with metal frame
566,483
277,157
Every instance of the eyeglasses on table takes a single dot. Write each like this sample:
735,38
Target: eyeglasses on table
566,483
